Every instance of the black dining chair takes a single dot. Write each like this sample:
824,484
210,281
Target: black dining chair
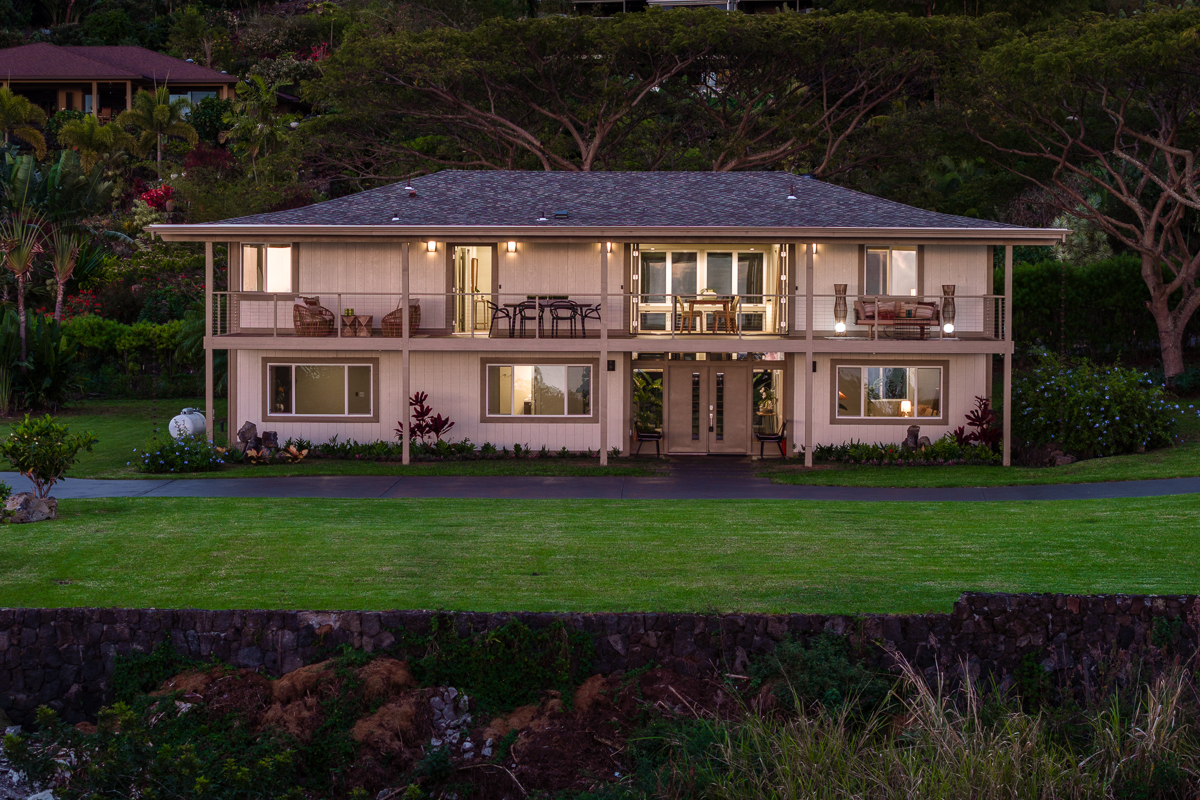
563,311
499,312
529,311
779,438
586,313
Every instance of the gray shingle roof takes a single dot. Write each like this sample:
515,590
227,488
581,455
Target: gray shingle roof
617,199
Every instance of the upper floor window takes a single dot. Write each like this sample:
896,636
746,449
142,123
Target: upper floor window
267,268
687,273
890,271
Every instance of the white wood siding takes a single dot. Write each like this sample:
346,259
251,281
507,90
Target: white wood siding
967,378
452,381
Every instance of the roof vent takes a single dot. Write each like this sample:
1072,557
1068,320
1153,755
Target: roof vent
542,217
396,217
411,191
561,215
792,192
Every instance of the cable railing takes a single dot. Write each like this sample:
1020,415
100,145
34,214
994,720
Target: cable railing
523,315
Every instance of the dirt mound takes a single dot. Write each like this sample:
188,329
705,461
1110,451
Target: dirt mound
384,678
402,724
590,694
302,682
299,718
193,682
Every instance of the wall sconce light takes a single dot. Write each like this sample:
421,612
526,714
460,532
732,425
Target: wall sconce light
635,251
912,292
905,408
512,247
948,307
608,245
839,308
431,246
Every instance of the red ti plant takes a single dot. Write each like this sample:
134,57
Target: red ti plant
985,426
423,424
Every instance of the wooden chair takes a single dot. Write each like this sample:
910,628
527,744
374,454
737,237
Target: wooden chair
105,116
729,315
310,318
686,315
779,438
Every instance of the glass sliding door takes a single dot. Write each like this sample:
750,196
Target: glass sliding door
726,287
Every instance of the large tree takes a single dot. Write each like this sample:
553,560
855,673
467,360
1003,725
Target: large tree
1104,116
19,117
156,116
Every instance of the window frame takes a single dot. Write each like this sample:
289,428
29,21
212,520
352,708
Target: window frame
534,419
295,361
862,268
294,249
767,298
837,363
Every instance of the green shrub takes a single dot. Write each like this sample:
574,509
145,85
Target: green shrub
821,673
941,452
507,667
42,450
1089,410
185,454
141,673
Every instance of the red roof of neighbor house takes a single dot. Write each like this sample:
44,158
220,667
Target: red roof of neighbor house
50,62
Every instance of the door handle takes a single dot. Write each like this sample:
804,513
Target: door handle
710,422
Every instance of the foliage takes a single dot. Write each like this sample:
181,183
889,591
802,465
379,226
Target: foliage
506,667
821,672
185,454
985,426
648,397
256,129
208,118
95,143
156,116
50,369
944,451
423,425
141,673
19,117
1089,410
59,190
42,450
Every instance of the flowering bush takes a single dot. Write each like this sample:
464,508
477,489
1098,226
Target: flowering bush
42,449
81,304
942,452
185,454
1089,410
157,198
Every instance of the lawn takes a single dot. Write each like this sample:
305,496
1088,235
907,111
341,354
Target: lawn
1181,461
123,425
488,555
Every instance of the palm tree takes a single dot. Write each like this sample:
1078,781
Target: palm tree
66,241
21,240
156,116
93,141
18,116
257,129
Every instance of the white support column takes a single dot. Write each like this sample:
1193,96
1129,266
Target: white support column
602,382
808,353
1008,354
405,445
208,351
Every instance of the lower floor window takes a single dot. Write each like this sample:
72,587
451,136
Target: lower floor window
320,390
547,390
893,392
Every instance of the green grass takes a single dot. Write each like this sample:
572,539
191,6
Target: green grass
595,555
123,425
1181,461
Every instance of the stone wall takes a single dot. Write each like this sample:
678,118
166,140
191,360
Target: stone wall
64,658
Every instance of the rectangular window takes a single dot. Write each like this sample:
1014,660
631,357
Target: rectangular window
267,268
320,390
540,390
888,392
750,277
654,277
683,273
720,273
890,271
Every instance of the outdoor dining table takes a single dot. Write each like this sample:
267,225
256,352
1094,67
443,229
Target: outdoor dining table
543,303
719,305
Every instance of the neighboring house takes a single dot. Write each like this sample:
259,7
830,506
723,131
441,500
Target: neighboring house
102,80
544,297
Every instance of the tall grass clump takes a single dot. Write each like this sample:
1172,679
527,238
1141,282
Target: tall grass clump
933,744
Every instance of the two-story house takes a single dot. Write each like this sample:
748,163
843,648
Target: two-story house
591,310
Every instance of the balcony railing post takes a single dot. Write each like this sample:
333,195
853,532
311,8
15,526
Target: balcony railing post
275,315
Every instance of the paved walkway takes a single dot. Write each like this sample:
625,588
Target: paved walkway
710,478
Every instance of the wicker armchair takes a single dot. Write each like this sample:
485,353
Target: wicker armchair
310,318
392,323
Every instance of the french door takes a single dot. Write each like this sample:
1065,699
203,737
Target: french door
708,407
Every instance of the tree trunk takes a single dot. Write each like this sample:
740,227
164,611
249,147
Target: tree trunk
21,311
1170,325
58,302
